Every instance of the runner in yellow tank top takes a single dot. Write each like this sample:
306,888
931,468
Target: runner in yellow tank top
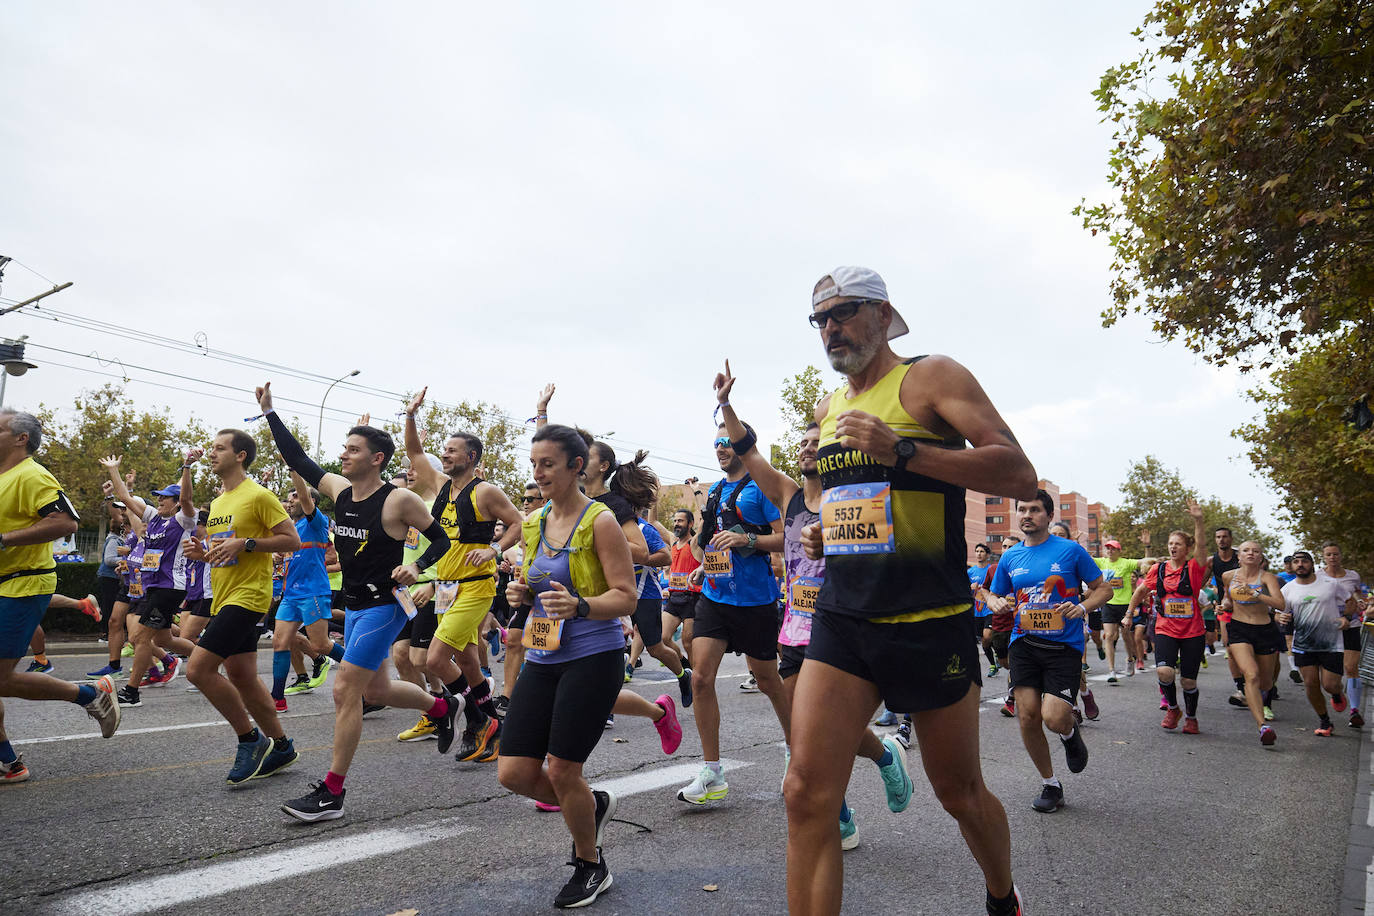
466,576
894,622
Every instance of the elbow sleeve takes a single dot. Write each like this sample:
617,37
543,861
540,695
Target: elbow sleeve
438,545
291,451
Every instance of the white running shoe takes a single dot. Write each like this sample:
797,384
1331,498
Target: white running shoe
708,786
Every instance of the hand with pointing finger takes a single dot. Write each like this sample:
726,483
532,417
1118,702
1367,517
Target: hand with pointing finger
723,384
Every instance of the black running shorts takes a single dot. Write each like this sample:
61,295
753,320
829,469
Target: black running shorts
233,631
682,605
1047,668
1329,661
561,709
926,664
790,659
1114,613
1183,654
648,617
1264,638
159,607
752,630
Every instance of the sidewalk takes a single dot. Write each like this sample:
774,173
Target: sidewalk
59,644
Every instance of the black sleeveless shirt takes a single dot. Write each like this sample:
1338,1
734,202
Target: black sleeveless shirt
366,552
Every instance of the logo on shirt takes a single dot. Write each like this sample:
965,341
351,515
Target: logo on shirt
1055,567
954,669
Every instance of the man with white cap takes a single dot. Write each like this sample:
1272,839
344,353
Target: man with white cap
894,620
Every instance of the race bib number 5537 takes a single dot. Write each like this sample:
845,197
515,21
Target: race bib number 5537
857,518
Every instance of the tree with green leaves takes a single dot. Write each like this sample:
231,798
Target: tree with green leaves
1155,502
799,396
105,421
502,461
1307,446
1242,158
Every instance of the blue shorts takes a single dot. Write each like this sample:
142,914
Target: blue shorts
19,617
369,633
305,611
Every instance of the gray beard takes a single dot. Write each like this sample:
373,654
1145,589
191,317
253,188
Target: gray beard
856,359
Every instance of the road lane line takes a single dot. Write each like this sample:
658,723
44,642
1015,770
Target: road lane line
150,730
143,894
650,780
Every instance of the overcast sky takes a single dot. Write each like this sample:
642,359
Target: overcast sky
615,197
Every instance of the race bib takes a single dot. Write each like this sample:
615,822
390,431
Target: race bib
1178,608
412,538
678,581
1041,617
225,534
542,633
152,559
1242,593
135,588
1114,582
717,562
803,594
857,519
402,596
445,593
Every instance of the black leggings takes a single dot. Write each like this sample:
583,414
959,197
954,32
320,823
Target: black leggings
106,589
1168,651
561,709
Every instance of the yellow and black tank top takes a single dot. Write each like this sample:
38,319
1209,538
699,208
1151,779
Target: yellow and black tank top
467,531
894,540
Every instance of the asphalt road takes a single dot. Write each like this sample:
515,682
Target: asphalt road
1159,823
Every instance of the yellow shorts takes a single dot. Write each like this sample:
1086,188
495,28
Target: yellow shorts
459,625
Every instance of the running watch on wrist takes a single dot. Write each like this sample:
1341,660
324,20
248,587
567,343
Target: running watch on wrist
583,608
250,545
906,450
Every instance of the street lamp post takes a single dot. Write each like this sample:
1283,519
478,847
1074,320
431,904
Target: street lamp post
319,430
12,358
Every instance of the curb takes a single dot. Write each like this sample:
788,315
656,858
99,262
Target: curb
1359,860
64,647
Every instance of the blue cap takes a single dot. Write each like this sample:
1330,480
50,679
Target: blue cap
173,491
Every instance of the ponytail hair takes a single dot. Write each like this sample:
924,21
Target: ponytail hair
635,481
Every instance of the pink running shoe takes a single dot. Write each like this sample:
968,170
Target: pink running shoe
669,730
540,806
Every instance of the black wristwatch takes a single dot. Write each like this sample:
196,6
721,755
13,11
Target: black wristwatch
906,450
250,545
583,608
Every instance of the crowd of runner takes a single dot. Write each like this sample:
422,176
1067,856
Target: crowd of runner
846,592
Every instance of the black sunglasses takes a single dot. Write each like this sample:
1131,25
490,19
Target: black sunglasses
841,313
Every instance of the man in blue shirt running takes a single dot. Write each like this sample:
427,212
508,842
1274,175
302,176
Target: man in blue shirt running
1044,574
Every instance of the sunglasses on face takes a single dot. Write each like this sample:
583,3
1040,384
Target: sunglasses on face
840,313
722,442
529,499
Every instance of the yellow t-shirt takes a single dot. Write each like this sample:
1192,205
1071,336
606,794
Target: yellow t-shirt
25,490
247,511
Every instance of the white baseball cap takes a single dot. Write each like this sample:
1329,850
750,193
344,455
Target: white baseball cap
864,283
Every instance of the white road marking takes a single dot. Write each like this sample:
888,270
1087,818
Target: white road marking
142,894
152,729
649,780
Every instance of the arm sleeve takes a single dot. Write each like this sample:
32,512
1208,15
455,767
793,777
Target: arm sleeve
295,456
438,545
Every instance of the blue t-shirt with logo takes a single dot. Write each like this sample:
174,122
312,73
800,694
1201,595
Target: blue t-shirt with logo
305,575
648,575
1040,578
751,581
976,575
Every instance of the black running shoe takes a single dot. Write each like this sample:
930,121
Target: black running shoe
1295,677
372,707
320,805
606,804
684,686
443,726
1051,799
1075,751
589,880
128,696
476,738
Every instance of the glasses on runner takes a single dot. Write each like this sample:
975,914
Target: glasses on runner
841,313
722,442
529,499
